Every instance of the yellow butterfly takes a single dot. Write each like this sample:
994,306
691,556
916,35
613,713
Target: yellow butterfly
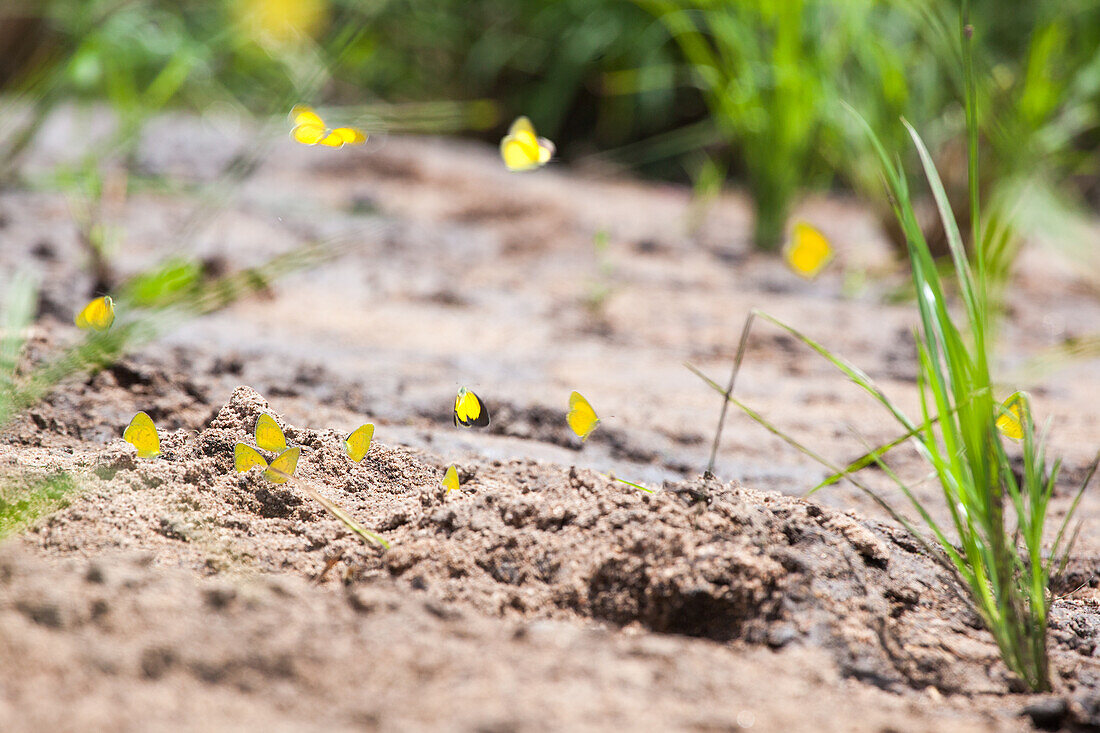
99,314
581,417
1010,423
280,470
470,411
522,149
808,251
310,129
450,479
269,435
358,443
142,434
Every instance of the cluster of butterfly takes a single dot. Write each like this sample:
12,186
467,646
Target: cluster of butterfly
142,434
469,411
807,253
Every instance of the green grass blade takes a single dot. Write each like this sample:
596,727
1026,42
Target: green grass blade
873,454
947,217
1073,506
348,521
16,315
853,372
25,498
639,487
762,421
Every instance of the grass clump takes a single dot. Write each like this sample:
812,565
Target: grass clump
994,543
764,85
24,499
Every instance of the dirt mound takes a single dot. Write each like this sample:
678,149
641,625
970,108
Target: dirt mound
529,540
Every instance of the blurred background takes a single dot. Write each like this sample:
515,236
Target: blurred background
748,93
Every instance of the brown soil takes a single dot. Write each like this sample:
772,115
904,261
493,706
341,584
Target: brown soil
176,594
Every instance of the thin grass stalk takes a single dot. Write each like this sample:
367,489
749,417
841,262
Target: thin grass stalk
809,452
729,389
966,33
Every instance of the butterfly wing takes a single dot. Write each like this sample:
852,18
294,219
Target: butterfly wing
516,155
460,415
331,140
522,126
350,135
269,435
246,457
546,150
808,251
581,417
358,443
450,479
1010,423
282,468
309,128
303,114
98,314
477,411
142,434
309,134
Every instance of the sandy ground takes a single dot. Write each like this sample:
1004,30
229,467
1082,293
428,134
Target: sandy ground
176,594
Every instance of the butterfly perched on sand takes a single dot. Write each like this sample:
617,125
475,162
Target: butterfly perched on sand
310,129
1010,423
98,315
470,411
278,471
269,435
522,149
358,442
581,417
142,434
450,479
808,251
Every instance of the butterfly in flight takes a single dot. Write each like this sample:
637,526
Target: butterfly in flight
808,251
98,315
522,149
310,129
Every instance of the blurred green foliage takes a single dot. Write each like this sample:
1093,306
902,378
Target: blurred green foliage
774,75
595,71
770,75
174,280
26,497
768,72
